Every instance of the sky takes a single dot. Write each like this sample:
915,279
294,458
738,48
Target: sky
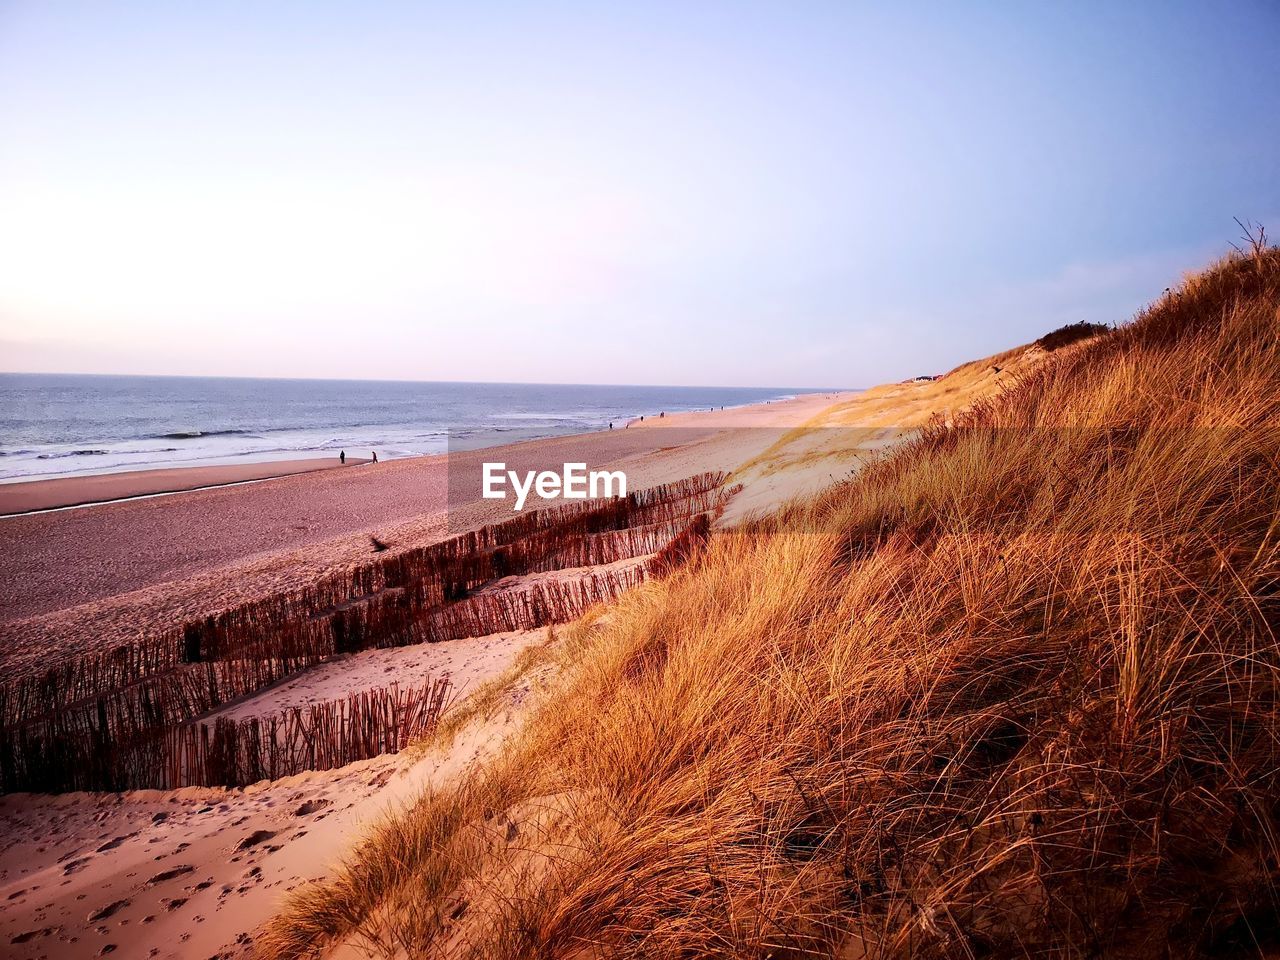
754,194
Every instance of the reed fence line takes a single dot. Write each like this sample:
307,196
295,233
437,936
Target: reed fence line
458,564
83,753
524,608
89,719
91,740
299,624
322,736
682,548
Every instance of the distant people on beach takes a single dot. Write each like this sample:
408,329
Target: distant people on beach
610,424
342,457
375,456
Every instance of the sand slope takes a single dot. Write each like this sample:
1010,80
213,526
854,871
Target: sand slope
194,872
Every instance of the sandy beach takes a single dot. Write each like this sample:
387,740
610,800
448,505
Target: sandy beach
144,563
32,495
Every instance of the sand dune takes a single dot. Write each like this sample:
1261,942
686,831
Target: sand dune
196,872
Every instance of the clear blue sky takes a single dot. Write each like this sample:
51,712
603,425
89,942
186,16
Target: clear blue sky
736,193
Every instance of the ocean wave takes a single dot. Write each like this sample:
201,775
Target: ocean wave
61,454
193,434
73,453
551,416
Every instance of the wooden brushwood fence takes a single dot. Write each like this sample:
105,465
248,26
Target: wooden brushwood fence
321,736
88,722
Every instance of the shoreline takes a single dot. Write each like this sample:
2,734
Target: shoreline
21,464
147,560
24,496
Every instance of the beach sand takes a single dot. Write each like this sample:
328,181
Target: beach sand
114,570
195,872
29,495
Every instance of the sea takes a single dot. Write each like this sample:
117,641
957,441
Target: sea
54,425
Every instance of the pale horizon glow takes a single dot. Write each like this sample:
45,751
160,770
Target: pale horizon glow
764,195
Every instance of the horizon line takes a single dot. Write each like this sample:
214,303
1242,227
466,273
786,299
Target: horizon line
518,383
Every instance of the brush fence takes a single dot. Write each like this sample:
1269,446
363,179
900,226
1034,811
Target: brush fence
83,724
321,736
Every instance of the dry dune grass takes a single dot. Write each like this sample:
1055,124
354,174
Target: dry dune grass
1013,691
861,430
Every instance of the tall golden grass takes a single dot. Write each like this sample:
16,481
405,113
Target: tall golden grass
1011,692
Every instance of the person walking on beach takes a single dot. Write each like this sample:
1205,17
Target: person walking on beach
375,456
342,457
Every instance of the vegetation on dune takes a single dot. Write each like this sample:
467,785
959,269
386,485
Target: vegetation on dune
1070,333
1012,691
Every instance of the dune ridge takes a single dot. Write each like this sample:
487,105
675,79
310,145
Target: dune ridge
1012,691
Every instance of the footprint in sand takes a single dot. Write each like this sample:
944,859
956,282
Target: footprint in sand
255,838
31,935
312,806
113,843
109,910
170,874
